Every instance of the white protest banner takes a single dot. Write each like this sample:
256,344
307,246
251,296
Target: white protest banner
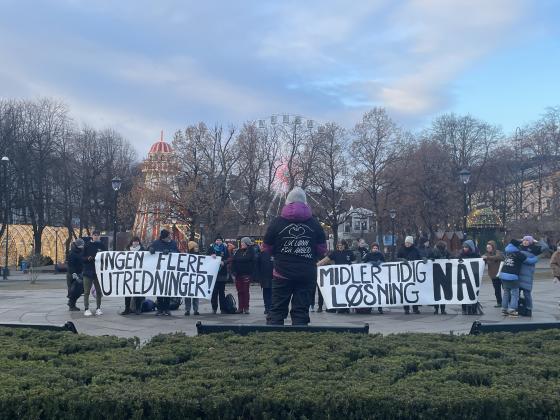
433,282
131,273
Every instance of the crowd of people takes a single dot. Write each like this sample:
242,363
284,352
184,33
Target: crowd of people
285,265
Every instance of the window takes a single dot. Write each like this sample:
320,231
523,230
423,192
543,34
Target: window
364,225
347,227
357,225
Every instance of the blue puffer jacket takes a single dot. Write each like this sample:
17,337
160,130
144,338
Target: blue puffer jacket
528,268
513,262
527,271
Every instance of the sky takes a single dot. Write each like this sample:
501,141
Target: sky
142,66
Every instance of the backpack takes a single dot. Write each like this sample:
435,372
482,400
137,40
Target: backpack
76,289
230,304
174,303
148,306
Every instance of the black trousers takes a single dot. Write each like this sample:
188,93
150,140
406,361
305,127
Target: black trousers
316,291
163,303
295,291
497,283
414,308
218,295
137,303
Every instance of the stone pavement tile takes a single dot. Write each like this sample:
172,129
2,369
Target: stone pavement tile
46,301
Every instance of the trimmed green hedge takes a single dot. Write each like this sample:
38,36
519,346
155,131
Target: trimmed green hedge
273,375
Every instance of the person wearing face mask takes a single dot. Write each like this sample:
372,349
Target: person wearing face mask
133,245
90,277
167,246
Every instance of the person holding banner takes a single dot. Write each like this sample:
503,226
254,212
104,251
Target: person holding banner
342,255
192,248
167,246
296,240
409,253
375,257
440,252
134,245
469,251
219,249
90,277
243,268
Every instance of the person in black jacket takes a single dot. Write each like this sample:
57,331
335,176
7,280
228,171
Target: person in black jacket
264,276
375,257
219,249
409,253
74,266
296,240
440,252
243,269
90,277
192,248
134,245
166,245
469,251
342,255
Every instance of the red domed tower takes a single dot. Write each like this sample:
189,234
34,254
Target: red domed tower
160,185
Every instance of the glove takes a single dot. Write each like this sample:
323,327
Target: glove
461,261
425,260
75,276
166,252
152,250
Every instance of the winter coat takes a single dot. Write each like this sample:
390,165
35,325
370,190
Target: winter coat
162,246
410,254
91,249
471,253
361,253
297,241
513,261
555,264
439,254
243,262
264,269
74,261
220,251
374,258
493,260
527,271
342,257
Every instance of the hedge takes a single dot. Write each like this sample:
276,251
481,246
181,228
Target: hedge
47,375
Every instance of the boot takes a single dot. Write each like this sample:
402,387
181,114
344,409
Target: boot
436,310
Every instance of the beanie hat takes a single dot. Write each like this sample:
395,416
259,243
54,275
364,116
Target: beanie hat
79,243
246,240
297,195
164,234
469,244
218,236
529,238
409,240
191,245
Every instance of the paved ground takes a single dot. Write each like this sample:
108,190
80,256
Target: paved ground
45,302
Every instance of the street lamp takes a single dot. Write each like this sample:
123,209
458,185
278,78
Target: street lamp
116,185
201,225
174,228
465,176
393,215
5,163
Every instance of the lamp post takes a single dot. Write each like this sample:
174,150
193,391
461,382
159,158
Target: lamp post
116,185
5,163
465,176
174,228
200,245
55,247
393,215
